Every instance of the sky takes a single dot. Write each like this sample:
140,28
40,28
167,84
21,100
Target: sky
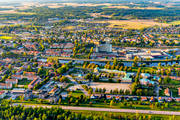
85,1
77,0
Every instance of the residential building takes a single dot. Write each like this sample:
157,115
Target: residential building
19,77
2,94
11,81
33,83
167,92
5,86
104,47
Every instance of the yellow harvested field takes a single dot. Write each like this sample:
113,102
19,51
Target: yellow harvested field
15,12
131,24
55,6
127,7
119,7
175,23
5,37
149,8
68,28
110,86
85,4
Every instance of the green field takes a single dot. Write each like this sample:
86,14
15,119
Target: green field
133,116
76,93
23,82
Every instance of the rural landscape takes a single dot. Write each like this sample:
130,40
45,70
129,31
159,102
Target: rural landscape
90,60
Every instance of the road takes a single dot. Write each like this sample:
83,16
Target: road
109,109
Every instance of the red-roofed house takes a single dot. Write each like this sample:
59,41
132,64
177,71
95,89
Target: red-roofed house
19,72
30,77
29,73
53,91
109,97
117,97
167,92
143,98
19,77
2,94
69,45
11,81
66,54
177,99
33,83
5,86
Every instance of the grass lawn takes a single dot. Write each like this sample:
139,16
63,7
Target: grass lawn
147,69
114,115
76,93
175,82
23,82
172,106
117,106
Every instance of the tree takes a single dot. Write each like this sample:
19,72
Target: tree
135,61
96,90
104,90
64,79
134,88
110,80
77,102
29,69
111,103
9,66
90,91
22,98
159,65
139,92
60,100
111,91
115,61
44,117
167,80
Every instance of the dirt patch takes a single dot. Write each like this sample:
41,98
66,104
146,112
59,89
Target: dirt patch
111,86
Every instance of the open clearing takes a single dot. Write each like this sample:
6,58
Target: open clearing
110,86
131,24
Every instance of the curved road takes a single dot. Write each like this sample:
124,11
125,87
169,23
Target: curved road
108,109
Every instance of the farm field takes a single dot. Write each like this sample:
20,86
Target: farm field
126,7
5,37
175,23
131,24
68,28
